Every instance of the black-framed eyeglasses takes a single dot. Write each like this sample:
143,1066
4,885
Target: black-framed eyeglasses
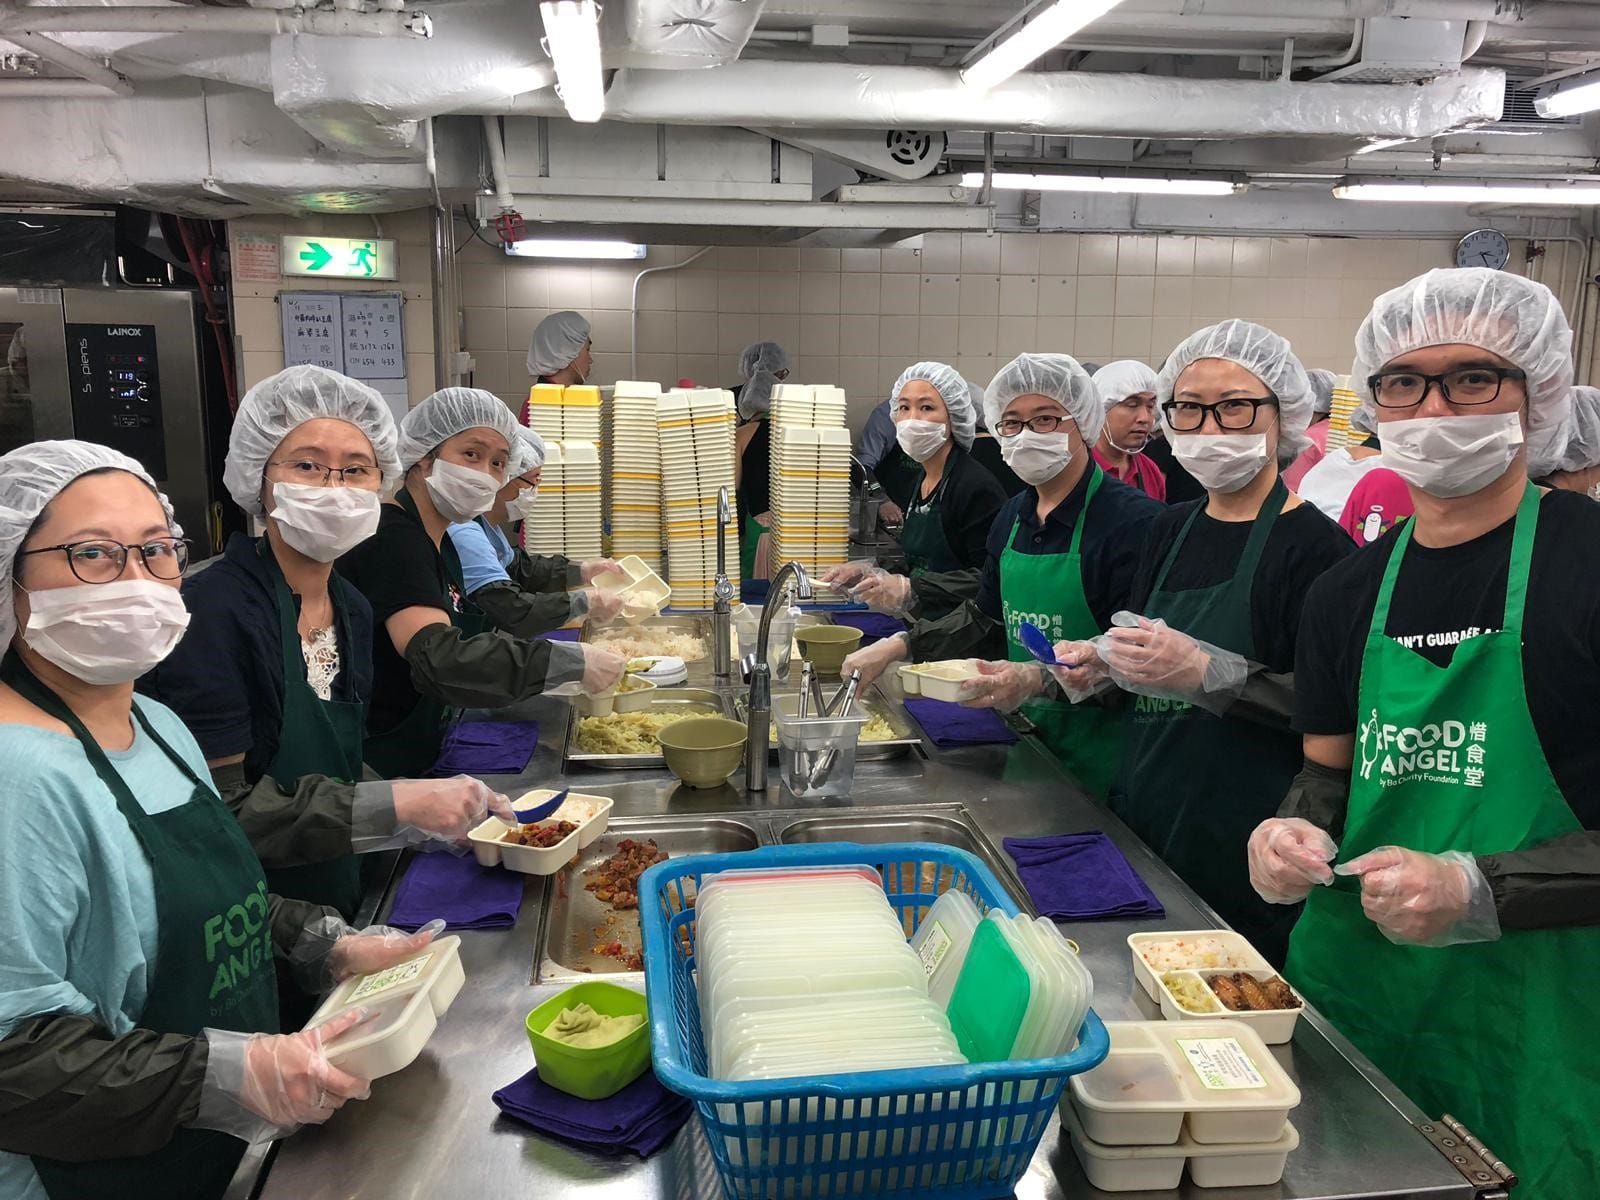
308,470
1009,427
1464,385
103,561
1235,413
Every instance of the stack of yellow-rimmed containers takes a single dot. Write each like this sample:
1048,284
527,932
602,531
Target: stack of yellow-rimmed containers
696,435
810,476
567,518
633,472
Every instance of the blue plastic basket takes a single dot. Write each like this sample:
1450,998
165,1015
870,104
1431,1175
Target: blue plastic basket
964,1131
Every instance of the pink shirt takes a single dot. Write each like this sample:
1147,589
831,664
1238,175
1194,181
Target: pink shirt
1309,457
1377,503
1142,474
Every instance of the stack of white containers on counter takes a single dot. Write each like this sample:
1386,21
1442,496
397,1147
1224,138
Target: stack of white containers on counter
810,476
697,448
633,472
567,519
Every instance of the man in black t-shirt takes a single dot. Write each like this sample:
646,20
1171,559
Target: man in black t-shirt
1448,689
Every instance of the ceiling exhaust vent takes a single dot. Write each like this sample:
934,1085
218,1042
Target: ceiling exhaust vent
1519,110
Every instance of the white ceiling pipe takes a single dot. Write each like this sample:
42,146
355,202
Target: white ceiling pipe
186,19
498,175
1528,14
17,89
845,96
68,59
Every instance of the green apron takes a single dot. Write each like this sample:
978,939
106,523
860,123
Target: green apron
1500,1034
750,534
1047,590
1182,788
213,966
409,749
317,737
922,538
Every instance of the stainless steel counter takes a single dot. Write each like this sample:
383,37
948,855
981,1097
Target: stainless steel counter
432,1130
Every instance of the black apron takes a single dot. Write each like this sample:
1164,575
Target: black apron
410,749
922,539
213,966
1194,785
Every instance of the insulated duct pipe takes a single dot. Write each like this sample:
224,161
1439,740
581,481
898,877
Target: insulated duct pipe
75,89
499,177
68,59
182,18
1528,14
785,95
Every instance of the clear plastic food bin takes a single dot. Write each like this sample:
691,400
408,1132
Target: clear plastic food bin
817,755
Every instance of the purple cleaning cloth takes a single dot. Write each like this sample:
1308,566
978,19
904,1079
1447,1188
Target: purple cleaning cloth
874,626
950,725
1080,876
563,635
486,748
465,894
642,1117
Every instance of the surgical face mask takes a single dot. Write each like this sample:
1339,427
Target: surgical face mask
1451,456
1036,457
323,522
921,439
106,632
460,493
520,506
1222,462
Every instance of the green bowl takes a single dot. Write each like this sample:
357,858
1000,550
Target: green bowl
703,751
591,1074
826,646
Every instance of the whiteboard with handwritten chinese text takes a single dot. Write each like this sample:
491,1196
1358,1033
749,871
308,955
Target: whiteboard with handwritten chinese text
313,329
361,334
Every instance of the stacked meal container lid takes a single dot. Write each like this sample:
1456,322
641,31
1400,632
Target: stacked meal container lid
696,436
810,476
633,461
567,518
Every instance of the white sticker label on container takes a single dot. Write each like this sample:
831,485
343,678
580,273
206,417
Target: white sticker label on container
1221,1064
934,947
389,979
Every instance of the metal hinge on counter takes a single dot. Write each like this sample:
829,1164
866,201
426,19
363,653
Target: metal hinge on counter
1478,1164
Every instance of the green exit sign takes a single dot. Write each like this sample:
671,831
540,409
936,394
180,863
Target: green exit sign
339,258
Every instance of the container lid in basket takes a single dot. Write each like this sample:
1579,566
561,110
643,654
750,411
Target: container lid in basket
991,997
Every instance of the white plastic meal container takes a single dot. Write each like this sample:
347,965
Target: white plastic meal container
403,1004
591,815
1275,1025
1160,1168
941,680
1241,955
637,700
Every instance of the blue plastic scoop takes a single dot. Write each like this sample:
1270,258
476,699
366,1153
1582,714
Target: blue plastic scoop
1037,643
527,816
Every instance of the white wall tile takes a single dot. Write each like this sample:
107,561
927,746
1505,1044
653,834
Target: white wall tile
608,368
1058,295
901,295
779,259
659,292
980,295
1321,298
980,253
1130,337
935,335
608,328
941,295
901,260
1212,301
976,337
570,288
1165,335
1097,295
1355,298
1174,295
822,368
258,324
1019,253
735,331
1136,254
1056,335
860,259
899,336
697,291
941,254
734,258
1135,295
783,328
858,336
819,258
1092,340
520,324
858,376
660,367
738,292
1286,257
780,292
819,335
1019,295
819,292
484,284
1175,255
1213,256
1058,253
1325,257
612,287
860,293
658,333
1014,336
1097,254
1250,256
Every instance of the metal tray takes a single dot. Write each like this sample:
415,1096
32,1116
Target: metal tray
700,700
573,921
876,704
692,626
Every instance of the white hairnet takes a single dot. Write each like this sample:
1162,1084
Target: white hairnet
1126,377
1057,376
1505,314
1365,418
1322,385
1583,433
280,404
975,398
1268,357
953,390
448,412
527,452
33,475
557,341
759,364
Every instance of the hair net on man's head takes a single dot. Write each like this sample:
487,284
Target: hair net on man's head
975,398
1365,418
759,364
557,342
1322,384
527,452
1505,314
1126,377
31,477
1582,450
1057,376
448,412
1268,357
952,389
280,404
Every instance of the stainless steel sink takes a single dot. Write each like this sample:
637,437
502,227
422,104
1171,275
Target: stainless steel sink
575,923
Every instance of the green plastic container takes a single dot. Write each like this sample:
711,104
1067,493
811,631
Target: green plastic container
991,997
591,1074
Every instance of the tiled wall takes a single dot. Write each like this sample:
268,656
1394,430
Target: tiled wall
858,317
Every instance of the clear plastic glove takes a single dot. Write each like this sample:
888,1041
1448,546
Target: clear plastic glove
598,566
1006,686
1150,658
329,949
842,578
602,607
602,669
259,1087
872,661
886,593
447,810
889,512
1086,676
1420,899
1288,856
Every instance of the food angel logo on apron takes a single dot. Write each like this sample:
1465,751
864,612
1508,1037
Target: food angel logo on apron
1449,751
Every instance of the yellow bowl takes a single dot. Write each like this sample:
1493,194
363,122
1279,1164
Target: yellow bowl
703,751
827,645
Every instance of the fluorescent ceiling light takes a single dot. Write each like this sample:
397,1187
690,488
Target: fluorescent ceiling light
1557,192
1383,144
572,36
1569,97
574,248
1148,185
1050,26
